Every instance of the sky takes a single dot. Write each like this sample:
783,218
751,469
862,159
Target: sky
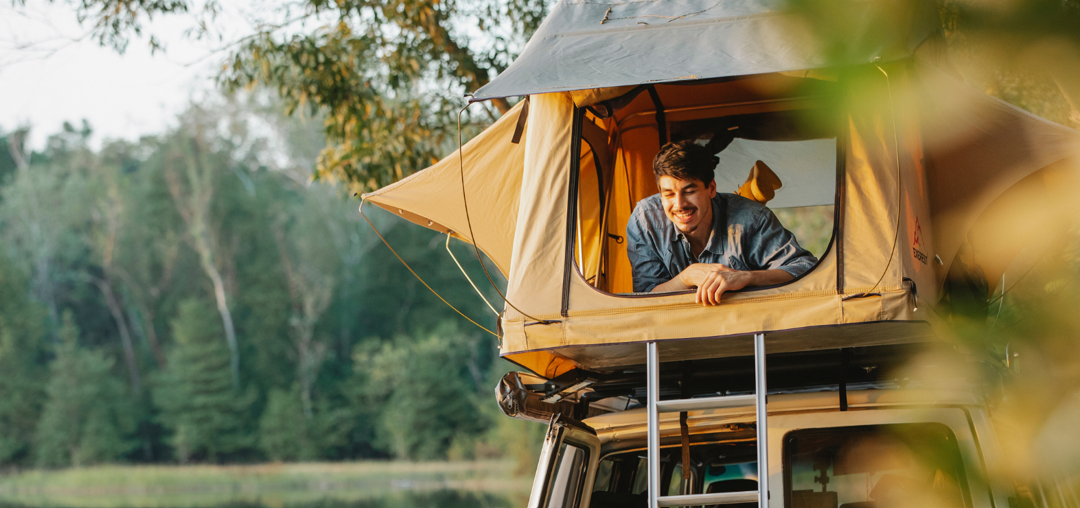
51,71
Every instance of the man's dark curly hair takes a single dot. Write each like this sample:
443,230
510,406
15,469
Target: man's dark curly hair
685,160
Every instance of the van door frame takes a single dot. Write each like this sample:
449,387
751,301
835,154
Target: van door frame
560,432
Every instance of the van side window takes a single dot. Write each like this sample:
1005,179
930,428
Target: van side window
622,478
880,466
564,487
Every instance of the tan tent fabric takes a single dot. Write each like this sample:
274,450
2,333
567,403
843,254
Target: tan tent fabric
978,147
900,208
591,96
540,237
492,164
1029,217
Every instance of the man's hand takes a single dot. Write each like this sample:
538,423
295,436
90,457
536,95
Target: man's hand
717,281
712,279
694,275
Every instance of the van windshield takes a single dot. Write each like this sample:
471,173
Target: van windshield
882,466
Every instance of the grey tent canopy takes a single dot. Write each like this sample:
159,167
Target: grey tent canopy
588,44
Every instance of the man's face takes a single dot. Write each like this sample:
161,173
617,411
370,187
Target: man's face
687,203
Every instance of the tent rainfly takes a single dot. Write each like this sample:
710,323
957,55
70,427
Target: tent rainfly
885,147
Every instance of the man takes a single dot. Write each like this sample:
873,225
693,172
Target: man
689,236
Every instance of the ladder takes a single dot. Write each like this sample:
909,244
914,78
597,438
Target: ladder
656,406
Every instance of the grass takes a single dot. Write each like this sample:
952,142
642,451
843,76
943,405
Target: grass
271,485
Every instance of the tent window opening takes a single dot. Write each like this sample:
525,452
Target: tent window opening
778,151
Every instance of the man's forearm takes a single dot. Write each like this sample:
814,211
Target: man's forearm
769,277
670,286
691,277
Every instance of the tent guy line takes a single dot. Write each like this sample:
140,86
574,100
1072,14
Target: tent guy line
471,283
468,220
448,304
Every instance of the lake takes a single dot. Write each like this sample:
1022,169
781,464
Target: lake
476,484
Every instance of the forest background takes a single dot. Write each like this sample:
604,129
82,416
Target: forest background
210,293
114,346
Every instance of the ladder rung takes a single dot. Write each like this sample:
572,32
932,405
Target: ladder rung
674,406
704,499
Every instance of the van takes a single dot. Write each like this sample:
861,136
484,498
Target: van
849,428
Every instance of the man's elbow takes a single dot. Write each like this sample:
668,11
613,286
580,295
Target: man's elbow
795,270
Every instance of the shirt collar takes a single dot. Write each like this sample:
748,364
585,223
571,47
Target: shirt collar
715,244
719,226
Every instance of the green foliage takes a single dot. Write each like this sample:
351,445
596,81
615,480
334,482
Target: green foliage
385,76
89,415
283,430
427,389
22,340
345,354
114,21
287,434
306,280
196,395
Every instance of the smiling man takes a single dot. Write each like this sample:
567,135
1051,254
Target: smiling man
689,236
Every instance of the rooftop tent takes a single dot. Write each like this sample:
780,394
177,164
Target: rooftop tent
586,44
492,173
903,156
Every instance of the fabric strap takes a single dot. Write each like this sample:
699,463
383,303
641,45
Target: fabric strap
685,430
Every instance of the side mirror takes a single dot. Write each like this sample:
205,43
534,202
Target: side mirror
520,396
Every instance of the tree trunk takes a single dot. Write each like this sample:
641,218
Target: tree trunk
125,335
194,209
309,296
42,279
151,335
223,309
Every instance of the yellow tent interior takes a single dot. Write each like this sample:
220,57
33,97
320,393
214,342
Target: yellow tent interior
897,162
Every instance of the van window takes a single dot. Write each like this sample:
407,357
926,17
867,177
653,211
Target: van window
622,478
564,488
882,466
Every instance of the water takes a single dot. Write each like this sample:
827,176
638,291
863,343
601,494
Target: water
400,499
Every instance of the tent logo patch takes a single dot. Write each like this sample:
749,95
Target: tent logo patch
917,242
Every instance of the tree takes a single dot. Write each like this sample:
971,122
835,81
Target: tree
427,391
310,271
307,283
386,76
193,193
108,216
88,418
284,432
23,333
206,413
41,216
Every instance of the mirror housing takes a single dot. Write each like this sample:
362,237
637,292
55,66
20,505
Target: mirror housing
520,395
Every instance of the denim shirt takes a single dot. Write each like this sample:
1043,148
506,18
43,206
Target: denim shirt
745,236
